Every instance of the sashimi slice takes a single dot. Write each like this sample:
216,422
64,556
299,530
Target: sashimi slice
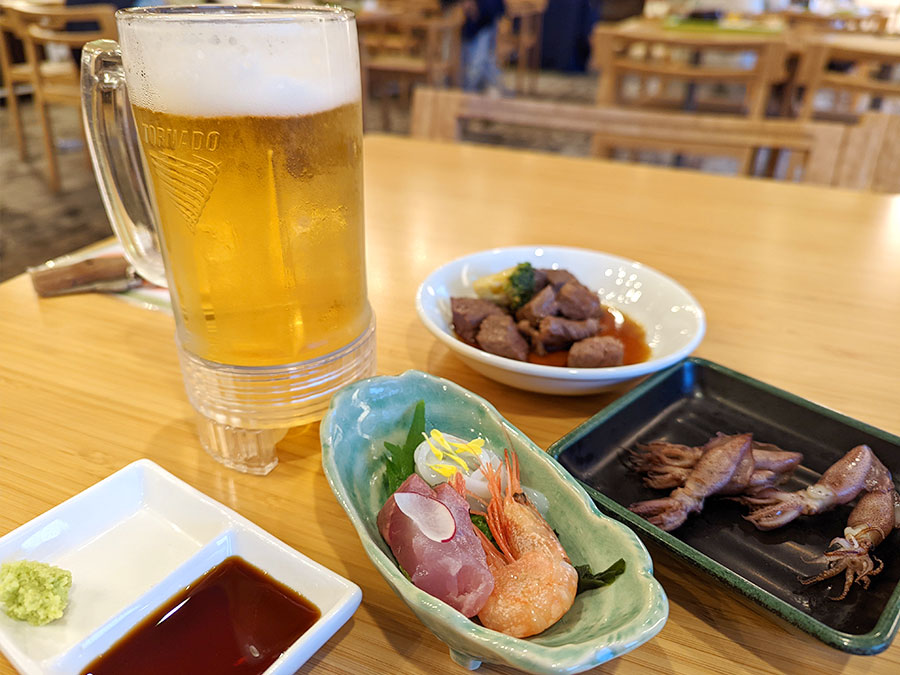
455,570
412,484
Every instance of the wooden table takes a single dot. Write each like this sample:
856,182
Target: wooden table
795,40
801,286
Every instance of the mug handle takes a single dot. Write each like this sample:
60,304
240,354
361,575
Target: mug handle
115,154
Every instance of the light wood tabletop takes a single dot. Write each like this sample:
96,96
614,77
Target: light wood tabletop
801,286
796,40
664,30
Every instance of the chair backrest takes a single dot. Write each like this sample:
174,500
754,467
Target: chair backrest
521,24
517,8
519,33
652,60
38,26
420,7
812,149
865,75
434,40
51,24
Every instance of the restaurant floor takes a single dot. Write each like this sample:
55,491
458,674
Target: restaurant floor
36,225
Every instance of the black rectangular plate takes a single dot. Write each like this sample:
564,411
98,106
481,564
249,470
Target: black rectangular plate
689,403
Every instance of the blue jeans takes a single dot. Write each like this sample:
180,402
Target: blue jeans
479,60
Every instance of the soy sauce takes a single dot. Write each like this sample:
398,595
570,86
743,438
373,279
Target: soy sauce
234,619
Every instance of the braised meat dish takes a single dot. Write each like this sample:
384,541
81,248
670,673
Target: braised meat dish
546,316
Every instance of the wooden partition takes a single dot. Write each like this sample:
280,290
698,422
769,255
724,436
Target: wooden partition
866,156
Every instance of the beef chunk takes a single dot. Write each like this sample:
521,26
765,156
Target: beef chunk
557,278
577,302
596,352
468,313
498,335
525,328
555,333
541,305
532,335
540,279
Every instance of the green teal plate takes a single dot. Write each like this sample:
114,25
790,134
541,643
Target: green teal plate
601,625
689,403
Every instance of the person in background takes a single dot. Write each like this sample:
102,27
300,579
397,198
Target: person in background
479,45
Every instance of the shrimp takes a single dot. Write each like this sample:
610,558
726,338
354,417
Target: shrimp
534,581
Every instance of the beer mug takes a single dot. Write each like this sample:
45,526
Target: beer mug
227,144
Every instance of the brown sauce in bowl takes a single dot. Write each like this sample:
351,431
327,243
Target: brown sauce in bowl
615,324
233,619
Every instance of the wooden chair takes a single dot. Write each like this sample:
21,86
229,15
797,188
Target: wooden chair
864,81
380,29
519,35
41,26
19,75
812,149
417,7
659,61
429,53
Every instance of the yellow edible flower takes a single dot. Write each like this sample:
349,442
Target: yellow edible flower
473,447
445,470
437,453
451,450
439,437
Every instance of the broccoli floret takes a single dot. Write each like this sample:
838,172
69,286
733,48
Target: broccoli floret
520,285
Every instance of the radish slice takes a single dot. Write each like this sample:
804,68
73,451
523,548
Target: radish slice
431,516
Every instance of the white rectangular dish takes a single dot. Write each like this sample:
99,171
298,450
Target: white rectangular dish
134,540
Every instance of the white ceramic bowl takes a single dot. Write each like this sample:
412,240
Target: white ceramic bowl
673,320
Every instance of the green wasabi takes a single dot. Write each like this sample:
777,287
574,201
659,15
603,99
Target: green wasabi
34,591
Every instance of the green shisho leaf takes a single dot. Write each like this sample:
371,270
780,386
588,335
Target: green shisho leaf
399,460
481,523
588,581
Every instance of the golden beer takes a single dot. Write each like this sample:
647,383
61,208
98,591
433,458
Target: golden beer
261,227
248,124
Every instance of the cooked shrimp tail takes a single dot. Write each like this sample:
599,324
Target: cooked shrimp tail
534,583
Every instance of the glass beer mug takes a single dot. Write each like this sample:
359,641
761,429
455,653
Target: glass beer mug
227,144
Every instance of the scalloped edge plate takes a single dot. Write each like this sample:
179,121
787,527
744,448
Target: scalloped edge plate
601,625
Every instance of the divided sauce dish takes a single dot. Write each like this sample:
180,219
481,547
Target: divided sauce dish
133,541
672,318
601,625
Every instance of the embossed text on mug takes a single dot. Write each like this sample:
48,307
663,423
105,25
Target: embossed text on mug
172,139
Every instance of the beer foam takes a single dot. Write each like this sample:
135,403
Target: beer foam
231,68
